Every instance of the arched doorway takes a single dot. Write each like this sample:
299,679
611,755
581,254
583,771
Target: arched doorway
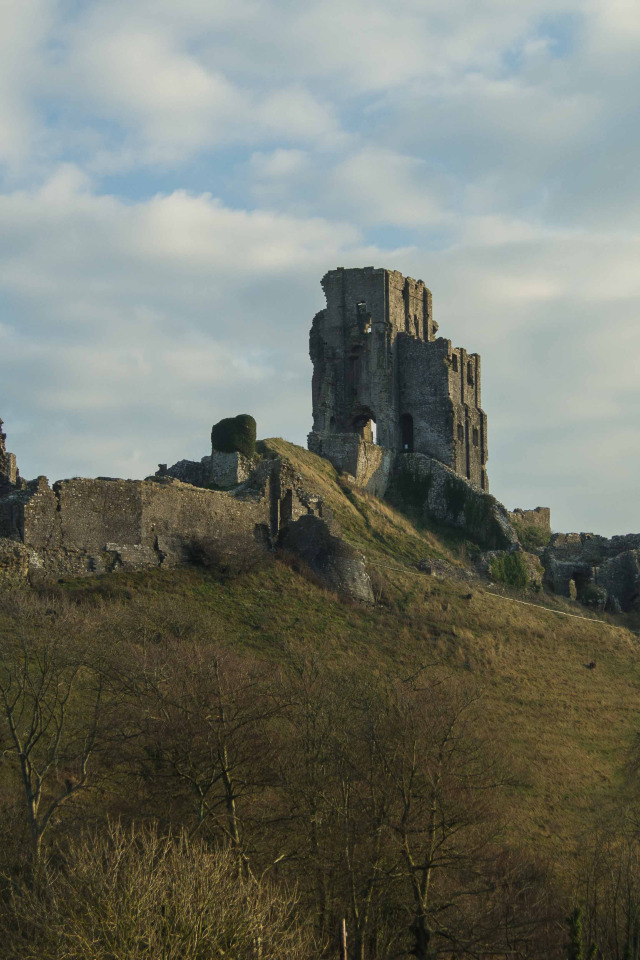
406,433
365,426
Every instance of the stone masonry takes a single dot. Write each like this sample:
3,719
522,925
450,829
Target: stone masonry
9,475
90,526
600,572
539,517
377,361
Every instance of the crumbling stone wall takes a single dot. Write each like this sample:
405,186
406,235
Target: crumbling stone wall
368,463
83,526
540,517
578,563
439,493
222,470
376,359
8,468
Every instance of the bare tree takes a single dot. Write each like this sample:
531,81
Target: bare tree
442,817
50,703
207,719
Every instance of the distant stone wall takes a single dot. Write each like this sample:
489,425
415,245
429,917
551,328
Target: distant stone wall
539,517
223,470
599,571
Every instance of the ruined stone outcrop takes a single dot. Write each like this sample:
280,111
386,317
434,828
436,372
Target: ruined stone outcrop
336,562
440,494
599,571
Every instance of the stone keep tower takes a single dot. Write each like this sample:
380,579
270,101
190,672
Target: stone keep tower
377,361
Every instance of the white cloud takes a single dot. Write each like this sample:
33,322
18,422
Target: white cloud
278,163
153,319
382,186
249,146
24,28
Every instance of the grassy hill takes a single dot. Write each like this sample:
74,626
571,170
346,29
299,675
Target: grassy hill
563,730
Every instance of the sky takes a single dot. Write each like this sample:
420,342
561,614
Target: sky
176,176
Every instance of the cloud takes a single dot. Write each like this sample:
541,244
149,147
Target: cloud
382,186
151,320
178,177
25,25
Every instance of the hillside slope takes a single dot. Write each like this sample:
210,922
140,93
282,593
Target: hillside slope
561,727
567,727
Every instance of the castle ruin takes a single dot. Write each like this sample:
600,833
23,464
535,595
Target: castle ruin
9,474
381,378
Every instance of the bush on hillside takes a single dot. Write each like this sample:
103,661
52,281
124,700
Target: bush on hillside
510,569
135,893
235,435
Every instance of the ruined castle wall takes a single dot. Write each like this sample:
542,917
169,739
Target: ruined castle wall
12,517
409,306
96,512
177,518
356,379
40,519
443,495
440,390
374,467
93,526
470,421
353,348
424,395
11,468
540,517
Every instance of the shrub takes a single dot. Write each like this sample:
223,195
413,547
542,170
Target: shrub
135,893
232,557
235,434
594,595
510,569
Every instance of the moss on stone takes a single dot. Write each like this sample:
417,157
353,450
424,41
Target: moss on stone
410,489
235,435
478,510
455,496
